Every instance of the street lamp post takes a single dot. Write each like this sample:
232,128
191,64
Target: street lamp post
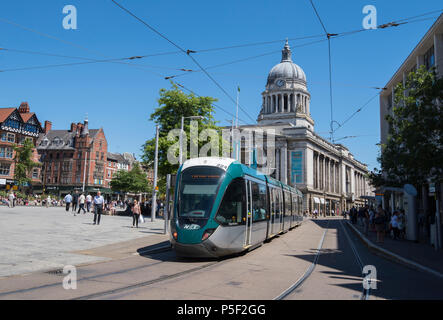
181,135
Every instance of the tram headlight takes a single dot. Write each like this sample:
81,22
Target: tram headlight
207,234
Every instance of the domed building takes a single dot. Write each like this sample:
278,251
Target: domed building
289,150
286,97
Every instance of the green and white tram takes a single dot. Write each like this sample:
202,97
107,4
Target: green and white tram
223,207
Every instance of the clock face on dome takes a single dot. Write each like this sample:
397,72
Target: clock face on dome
280,82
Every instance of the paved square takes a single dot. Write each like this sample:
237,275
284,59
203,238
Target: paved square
39,238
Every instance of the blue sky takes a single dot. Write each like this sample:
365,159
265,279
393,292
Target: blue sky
120,98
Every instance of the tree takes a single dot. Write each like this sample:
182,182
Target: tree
134,181
24,163
413,152
173,105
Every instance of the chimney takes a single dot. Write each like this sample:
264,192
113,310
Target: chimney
24,108
73,127
48,126
85,130
79,128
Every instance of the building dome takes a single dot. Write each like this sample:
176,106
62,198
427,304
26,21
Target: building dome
286,69
286,97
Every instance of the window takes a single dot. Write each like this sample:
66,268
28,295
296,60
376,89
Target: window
429,58
6,152
8,137
287,204
12,123
232,207
197,189
4,169
97,155
259,211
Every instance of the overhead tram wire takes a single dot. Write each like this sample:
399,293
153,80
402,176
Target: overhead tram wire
141,66
90,59
215,105
245,59
340,125
188,53
328,35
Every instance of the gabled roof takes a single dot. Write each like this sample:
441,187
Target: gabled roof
27,116
116,157
5,113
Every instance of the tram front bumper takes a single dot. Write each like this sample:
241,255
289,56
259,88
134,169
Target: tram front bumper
198,250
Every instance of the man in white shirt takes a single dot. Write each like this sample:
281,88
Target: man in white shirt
81,203
99,205
68,200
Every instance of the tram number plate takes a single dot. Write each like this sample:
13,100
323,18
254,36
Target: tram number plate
191,226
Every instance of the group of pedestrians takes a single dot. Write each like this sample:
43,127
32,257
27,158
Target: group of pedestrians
80,200
379,221
98,205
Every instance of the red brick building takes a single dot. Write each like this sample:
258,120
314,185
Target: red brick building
73,159
16,125
117,161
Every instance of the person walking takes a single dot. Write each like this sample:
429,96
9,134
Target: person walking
74,202
88,202
366,220
11,199
379,221
394,225
68,200
99,205
48,201
81,203
401,224
135,213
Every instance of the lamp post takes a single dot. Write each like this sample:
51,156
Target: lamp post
181,135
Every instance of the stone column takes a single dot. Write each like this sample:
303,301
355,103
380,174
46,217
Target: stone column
282,102
283,166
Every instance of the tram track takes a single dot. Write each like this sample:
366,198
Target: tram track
308,272
365,293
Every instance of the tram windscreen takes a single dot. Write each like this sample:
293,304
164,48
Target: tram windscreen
198,188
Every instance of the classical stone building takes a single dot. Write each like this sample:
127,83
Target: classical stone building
16,125
329,176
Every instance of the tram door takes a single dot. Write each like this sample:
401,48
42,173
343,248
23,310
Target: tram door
248,230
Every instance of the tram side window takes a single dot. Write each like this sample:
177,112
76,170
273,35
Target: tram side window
287,204
258,202
294,205
278,203
232,207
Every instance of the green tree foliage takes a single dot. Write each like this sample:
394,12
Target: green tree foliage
134,181
23,162
414,148
173,105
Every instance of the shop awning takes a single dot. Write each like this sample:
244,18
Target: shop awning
322,200
316,200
